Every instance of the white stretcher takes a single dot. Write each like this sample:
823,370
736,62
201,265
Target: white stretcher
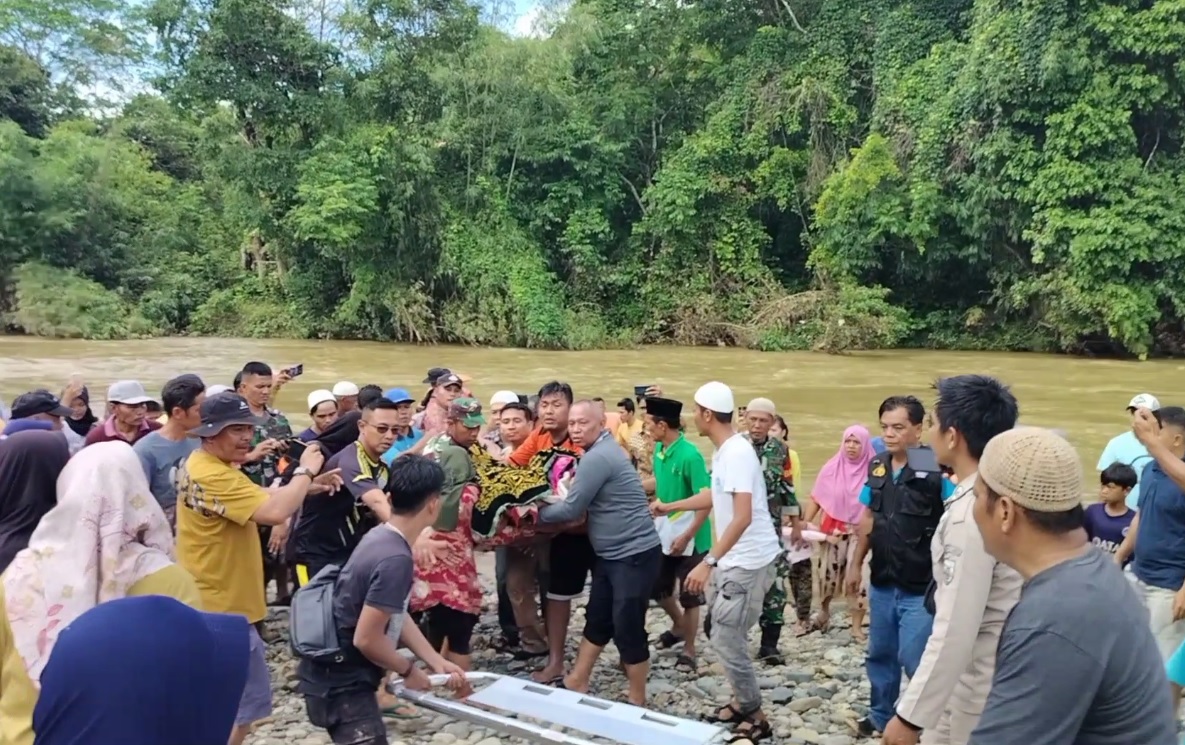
616,722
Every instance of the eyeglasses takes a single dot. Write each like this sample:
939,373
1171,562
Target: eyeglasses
382,429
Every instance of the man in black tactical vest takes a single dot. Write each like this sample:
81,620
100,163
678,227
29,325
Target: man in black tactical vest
904,507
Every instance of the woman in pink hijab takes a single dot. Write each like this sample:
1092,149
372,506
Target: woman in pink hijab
835,502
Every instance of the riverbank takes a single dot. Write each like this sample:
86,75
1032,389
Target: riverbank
810,700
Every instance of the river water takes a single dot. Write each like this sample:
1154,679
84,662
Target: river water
818,394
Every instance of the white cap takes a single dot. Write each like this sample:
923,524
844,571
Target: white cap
1144,401
501,398
345,388
762,406
127,392
320,396
214,390
715,396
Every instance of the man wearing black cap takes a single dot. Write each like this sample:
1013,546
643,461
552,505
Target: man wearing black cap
445,387
40,405
679,473
218,511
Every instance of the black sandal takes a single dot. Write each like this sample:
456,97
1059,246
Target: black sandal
686,661
736,716
754,733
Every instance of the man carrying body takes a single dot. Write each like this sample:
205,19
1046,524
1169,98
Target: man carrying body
518,612
740,566
973,592
904,507
217,536
628,551
778,471
570,555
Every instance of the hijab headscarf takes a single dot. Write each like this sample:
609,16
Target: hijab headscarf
838,486
30,463
106,533
86,423
144,671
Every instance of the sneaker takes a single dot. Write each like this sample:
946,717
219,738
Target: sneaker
865,728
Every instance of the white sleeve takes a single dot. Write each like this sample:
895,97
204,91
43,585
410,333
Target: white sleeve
739,471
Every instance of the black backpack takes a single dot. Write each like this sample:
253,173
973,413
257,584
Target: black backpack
312,629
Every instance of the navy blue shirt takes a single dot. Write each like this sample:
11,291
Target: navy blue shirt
1160,540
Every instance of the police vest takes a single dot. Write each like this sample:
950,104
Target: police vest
905,514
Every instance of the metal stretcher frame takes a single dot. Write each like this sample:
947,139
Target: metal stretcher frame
611,720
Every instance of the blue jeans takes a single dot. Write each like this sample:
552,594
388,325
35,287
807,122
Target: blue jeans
898,627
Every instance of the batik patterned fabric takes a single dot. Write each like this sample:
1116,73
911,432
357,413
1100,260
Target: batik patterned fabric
452,581
502,485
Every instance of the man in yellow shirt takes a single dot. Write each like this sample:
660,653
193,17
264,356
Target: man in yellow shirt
219,510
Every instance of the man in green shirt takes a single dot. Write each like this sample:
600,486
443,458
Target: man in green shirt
679,473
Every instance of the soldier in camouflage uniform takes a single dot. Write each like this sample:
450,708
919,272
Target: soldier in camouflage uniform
255,384
779,486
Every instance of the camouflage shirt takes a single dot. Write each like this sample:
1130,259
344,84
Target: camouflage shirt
779,476
276,427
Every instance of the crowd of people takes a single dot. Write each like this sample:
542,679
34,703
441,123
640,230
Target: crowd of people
999,608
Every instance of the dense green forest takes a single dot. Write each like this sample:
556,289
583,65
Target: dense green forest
780,174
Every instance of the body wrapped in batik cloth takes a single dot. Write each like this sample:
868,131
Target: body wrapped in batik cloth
503,486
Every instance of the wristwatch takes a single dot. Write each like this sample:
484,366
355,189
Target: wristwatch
302,471
710,560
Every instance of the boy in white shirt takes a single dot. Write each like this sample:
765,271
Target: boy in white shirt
739,569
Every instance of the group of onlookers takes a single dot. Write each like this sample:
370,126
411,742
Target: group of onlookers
984,579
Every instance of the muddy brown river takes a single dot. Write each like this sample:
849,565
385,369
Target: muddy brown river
818,394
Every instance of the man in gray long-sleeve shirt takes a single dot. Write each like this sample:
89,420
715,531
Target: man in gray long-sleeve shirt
629,552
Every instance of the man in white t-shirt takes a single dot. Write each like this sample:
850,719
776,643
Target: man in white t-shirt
739,569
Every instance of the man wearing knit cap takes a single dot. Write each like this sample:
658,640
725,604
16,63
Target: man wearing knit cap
739,568
1077,662
779,489
972,592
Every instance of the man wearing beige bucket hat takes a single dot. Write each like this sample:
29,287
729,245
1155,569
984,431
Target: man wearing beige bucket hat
1077,661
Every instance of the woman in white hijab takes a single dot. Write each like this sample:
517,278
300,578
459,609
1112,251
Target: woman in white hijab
107,538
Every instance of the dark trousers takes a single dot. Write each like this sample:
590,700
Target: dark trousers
618,601
352,718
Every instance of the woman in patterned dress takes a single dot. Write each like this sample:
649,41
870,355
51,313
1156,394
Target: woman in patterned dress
835,500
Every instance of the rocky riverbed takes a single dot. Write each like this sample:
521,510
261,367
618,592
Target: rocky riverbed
810,700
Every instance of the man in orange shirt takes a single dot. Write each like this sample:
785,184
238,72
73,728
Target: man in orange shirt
571,555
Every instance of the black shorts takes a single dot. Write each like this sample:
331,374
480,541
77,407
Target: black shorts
350,718
441,622
675,569
572,559
618,601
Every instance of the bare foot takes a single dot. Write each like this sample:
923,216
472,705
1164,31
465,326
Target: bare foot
572,684
858,635
801,629
549,674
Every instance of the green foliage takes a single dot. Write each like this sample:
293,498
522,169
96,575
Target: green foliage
56,302
782,175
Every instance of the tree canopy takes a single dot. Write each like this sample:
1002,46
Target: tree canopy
779,174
